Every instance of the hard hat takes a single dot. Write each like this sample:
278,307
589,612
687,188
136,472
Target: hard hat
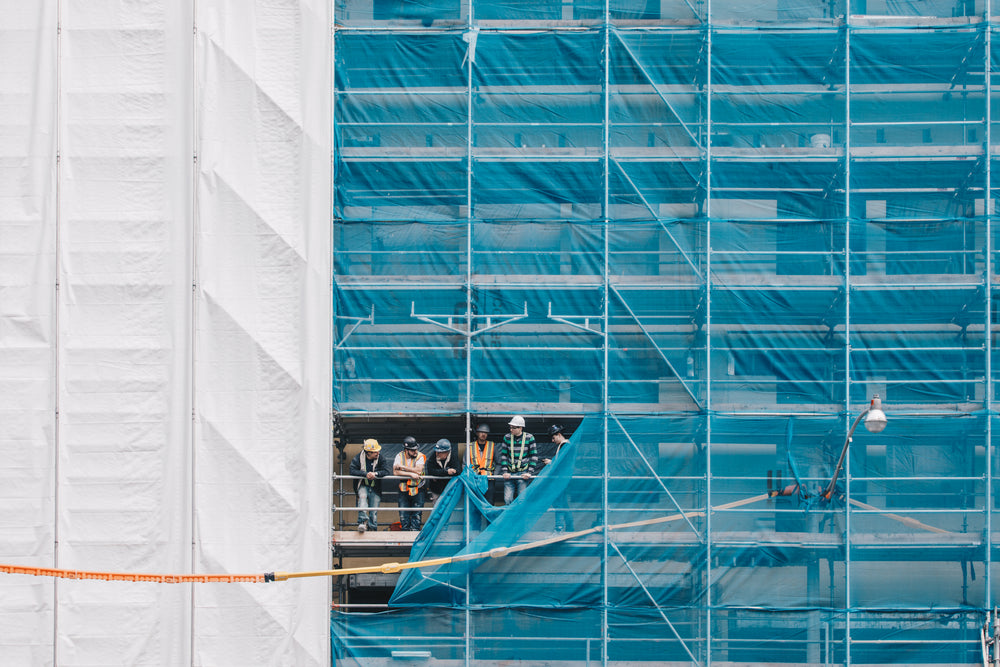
371,445
518,420
555,428
443,445
409,442
482,428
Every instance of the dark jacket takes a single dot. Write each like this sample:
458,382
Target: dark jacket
360,466
520,456
547,450
436,469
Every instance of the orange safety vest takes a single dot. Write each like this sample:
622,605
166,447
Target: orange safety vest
412,486
482,461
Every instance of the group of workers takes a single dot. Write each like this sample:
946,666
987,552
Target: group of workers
514,462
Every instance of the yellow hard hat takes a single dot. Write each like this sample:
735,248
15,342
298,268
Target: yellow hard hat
371,445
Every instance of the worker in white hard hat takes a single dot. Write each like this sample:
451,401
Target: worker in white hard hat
518,460
368,468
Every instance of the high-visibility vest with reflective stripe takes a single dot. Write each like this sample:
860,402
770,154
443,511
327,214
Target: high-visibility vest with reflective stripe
519,463
412,486
482,460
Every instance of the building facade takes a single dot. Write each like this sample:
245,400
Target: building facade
713,232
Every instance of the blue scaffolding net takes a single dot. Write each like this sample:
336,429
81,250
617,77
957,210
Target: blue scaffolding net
626,550
716,231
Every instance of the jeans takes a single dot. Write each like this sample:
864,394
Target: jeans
411,520
508,488
368,498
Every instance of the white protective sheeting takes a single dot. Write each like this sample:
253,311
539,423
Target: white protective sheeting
124,429
27,325
263,328
166,404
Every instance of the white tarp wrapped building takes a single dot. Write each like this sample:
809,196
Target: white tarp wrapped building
164,328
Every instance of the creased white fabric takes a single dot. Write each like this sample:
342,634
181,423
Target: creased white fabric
165,328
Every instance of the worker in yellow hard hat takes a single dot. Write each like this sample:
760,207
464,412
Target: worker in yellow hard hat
369,467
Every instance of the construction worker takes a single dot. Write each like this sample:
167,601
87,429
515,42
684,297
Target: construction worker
369,467
482,460
410,463
558,436
564,520
518,460
441,468
548,450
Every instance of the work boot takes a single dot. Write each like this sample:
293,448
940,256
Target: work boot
362,527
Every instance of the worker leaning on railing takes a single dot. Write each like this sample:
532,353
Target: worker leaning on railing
441,468
411,464
518,460
369,467
482,459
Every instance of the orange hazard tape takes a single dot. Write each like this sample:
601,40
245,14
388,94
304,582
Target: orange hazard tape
126,576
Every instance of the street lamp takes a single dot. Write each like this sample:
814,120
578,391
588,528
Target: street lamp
875,422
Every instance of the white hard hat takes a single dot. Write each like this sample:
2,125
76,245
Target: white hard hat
518,420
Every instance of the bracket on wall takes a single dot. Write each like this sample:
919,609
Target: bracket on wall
355,323
447,321
568,320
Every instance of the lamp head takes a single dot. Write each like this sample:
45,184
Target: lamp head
875,420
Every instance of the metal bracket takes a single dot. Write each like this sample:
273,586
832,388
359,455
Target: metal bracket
448,320
565,319
357,322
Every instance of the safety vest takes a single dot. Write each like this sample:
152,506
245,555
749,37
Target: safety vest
411,486
482,459
518,463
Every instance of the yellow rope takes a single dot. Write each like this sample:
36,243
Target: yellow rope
392,568
902,519
499,552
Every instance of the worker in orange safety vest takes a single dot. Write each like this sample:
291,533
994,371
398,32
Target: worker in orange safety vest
410,463
482,458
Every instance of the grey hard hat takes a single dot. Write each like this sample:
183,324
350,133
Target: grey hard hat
482,428
442,445
409,442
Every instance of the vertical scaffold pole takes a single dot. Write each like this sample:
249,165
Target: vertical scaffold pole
468,312
605,140
707,414
988,277
847,329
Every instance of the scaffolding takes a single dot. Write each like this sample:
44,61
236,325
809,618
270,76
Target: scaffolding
712,231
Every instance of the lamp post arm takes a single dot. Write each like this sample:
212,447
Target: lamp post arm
828,491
